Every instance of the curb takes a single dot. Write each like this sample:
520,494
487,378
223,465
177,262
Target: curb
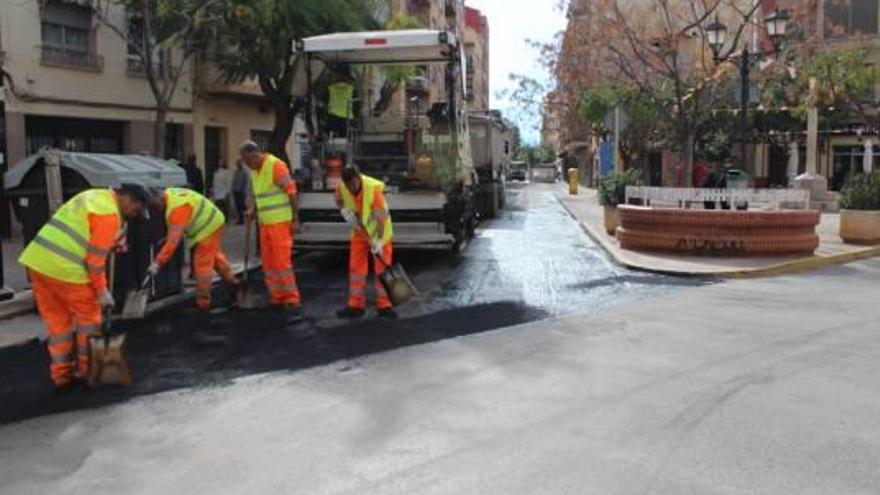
788,267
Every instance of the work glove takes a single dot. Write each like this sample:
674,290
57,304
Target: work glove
376,248
348,216
153,269
106,299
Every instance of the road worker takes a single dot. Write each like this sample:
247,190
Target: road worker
361,201
188,213
273,200
66,264
340,105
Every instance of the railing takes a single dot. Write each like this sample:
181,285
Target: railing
56,57
685,197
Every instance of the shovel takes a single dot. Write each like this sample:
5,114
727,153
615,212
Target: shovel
135,305
107,351
246,297
394,279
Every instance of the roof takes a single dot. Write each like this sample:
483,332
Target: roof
382,47
105,170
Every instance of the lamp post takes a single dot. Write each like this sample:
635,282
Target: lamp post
716,34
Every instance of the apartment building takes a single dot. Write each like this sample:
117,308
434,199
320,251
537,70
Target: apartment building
74,84
817,26
476,42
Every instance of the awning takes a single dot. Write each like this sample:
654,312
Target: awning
105,170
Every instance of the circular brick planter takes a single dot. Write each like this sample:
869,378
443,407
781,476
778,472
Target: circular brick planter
718,232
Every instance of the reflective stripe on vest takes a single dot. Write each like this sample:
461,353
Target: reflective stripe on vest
369,218
206,217
273,204
60,248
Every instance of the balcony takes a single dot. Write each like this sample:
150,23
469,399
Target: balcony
134,67
210,81
51,56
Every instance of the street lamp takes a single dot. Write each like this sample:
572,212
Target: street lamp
775,24
717,36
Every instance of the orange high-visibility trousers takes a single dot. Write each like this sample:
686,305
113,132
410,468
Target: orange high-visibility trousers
70,312
209,257
276,251
358,267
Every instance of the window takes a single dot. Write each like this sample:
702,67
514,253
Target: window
262,138
851,18
66,33
135,64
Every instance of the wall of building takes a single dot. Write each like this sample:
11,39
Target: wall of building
101,90
476,38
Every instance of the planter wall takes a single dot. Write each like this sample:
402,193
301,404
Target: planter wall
860,226
718,232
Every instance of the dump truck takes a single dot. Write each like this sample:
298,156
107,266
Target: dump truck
423,155
491,141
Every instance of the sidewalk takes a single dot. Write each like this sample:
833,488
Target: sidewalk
15,278
585,208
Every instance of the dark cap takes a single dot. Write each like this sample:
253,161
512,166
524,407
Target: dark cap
137,192
350,172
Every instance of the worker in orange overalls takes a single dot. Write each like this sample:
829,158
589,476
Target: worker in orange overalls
188,213
273,200
361,201
66,264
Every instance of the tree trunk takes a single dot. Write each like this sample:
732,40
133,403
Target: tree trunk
284,119
159,132
690,138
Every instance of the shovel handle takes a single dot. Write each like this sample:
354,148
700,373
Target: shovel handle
248,227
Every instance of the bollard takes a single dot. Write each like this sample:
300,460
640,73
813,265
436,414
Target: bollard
573,181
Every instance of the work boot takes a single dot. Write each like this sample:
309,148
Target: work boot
293,314
350,313
388,313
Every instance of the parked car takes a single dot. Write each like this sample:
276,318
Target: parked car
545,172
518,171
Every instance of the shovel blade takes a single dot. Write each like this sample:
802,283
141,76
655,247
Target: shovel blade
398,285
247,299
108,364
135,306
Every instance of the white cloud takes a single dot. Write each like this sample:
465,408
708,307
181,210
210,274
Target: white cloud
511,22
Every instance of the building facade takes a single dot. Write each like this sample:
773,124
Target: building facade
71,83
476,42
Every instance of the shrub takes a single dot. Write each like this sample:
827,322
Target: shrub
861,192
612,187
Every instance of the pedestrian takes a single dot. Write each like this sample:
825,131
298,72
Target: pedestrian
274,204
239,189
193,175
361,201
221,188
716,178
66,263
189,214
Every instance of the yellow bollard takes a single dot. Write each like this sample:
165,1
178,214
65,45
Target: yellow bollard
573,181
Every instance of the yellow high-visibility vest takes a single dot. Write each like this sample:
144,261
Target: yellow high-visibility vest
273,204
369,218
59,250
206,217
339,103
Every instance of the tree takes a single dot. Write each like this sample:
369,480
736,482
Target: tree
661,47
394,76
535,154
162,37
256,40
597,102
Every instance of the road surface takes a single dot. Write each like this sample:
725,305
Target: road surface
532,263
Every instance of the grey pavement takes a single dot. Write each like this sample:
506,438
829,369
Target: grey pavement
765,386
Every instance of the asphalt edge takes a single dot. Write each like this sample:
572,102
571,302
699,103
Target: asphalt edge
800,265
23,302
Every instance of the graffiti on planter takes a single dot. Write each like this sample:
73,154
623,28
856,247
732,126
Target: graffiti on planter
701,245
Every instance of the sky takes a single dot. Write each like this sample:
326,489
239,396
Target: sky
511,22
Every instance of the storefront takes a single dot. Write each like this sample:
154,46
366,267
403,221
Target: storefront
87,135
